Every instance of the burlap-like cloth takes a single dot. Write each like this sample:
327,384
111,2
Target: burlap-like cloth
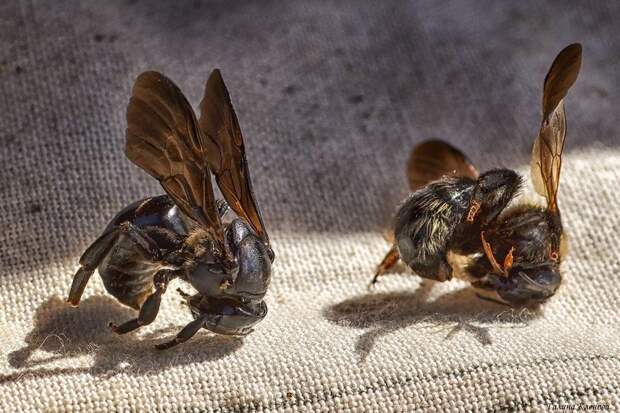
331,96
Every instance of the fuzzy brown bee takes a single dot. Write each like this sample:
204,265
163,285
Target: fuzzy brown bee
457,223
181,234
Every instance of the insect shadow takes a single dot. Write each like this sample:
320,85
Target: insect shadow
380,314
59,330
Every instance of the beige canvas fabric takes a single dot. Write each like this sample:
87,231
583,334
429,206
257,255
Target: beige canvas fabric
331,96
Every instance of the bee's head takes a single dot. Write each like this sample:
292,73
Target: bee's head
225,315
531,285
493,192
254,269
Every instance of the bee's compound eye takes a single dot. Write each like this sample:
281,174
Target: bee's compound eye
234,318
531,285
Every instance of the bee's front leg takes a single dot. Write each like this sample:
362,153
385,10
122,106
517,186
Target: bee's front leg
492,281
150,308
185,334
225,316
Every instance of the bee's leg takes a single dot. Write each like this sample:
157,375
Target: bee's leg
188,332
490,282
150,308
390,259
183,293
89,261
223,317
93,256
186,297
144,243
444,272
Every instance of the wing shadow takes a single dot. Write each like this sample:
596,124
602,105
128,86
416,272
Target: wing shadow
380,314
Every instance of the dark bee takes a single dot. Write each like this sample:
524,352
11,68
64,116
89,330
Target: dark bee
456,224
437,218
181,234
531,237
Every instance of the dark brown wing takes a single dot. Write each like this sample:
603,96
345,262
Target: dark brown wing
548,146
226,152
164,139
434,159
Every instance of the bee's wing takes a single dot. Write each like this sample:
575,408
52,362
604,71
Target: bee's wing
549,144
434,159
226,152
164,139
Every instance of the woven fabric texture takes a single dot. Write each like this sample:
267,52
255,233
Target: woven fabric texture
331,96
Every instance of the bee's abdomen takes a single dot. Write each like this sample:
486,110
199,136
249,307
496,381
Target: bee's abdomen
426,221
125,272
532,231
127,275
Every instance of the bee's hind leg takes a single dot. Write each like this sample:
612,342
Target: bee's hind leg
150,308
93,256
89,261
390,259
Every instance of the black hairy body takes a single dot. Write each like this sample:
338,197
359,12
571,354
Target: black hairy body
447,215
426,222
457,221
